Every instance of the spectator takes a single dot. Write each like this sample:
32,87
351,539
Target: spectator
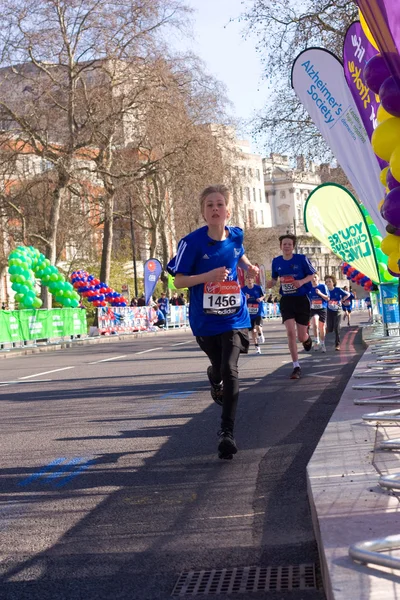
134,302
276,300
269,299
141,301
163,304
3,306
160,318
181,300
174,299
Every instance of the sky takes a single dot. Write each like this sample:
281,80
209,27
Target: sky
227,56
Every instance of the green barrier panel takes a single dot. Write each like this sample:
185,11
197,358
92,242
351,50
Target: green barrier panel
30,324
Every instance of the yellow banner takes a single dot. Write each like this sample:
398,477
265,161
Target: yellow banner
334,217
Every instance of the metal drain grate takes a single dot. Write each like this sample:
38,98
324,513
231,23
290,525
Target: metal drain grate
245,579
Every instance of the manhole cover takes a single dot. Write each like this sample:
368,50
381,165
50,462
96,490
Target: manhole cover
245,579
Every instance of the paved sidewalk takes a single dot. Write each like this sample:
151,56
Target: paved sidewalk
348,504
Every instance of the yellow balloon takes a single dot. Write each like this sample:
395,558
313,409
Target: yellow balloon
390,244
395,163
380,204
385,138
382,114
382,176
366,30
393,262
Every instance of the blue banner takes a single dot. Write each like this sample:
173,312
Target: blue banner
390,305
152,272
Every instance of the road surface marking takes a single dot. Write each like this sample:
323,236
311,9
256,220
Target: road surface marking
151,350
45,373
181,343
107,359
4,383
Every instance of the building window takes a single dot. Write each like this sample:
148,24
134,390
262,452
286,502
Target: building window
266,198
261,217
256,216
258,174
283,194
250,172
299,214
247,193
251,218
254,195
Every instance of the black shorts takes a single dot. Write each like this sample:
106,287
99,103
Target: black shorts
346,308
295,307
233,337
255,321
321,312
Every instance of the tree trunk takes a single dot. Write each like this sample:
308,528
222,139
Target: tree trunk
107,239
52,245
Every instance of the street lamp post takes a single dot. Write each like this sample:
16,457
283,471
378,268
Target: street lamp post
133,248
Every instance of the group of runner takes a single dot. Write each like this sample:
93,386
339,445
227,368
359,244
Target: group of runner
222,314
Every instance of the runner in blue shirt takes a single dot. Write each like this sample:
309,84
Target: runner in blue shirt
206,262
347,305
336,295
295,273
255,296
368,306
319,297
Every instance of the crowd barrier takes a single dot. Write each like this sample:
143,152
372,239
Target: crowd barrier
18,327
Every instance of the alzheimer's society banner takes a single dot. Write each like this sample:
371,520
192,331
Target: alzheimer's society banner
319,82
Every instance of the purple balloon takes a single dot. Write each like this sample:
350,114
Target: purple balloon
391,182
375,72
389,94
391,208
392,273
392,230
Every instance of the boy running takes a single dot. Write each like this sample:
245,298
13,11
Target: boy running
368,306
347,305
319,297
206,262
336,295
295,272
255,295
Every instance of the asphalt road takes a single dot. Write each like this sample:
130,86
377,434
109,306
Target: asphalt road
110,485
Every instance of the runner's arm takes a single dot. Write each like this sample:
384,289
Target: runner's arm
246,265
324,296
299,282
218,274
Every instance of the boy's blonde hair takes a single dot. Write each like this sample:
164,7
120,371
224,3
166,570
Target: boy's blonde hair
215,189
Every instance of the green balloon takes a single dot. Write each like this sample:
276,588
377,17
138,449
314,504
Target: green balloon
53,277
386,276
74,303
67,302
37,303
377,240
369,220
23,289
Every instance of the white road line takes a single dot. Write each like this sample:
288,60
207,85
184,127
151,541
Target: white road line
46,373
151,350
4,383
107,359
231,516
181,343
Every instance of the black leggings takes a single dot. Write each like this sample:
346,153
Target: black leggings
223,350
333,324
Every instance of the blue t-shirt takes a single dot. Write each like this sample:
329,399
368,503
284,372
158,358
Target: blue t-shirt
298,267
367,301
160,315
255,308
348,303
335,298
163,303
215,307
318,303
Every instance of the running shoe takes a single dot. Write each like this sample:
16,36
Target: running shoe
307,345
227,445
323,347
296,374
337,347
316,345
261,338
258,349
216,388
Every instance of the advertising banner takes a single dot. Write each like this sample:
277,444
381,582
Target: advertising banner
357,51
334,217
152,272
125,319
319,82
30,324
390,305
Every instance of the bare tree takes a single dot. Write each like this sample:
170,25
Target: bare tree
285,28
68,73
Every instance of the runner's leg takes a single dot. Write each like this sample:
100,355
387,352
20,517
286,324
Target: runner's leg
290,325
